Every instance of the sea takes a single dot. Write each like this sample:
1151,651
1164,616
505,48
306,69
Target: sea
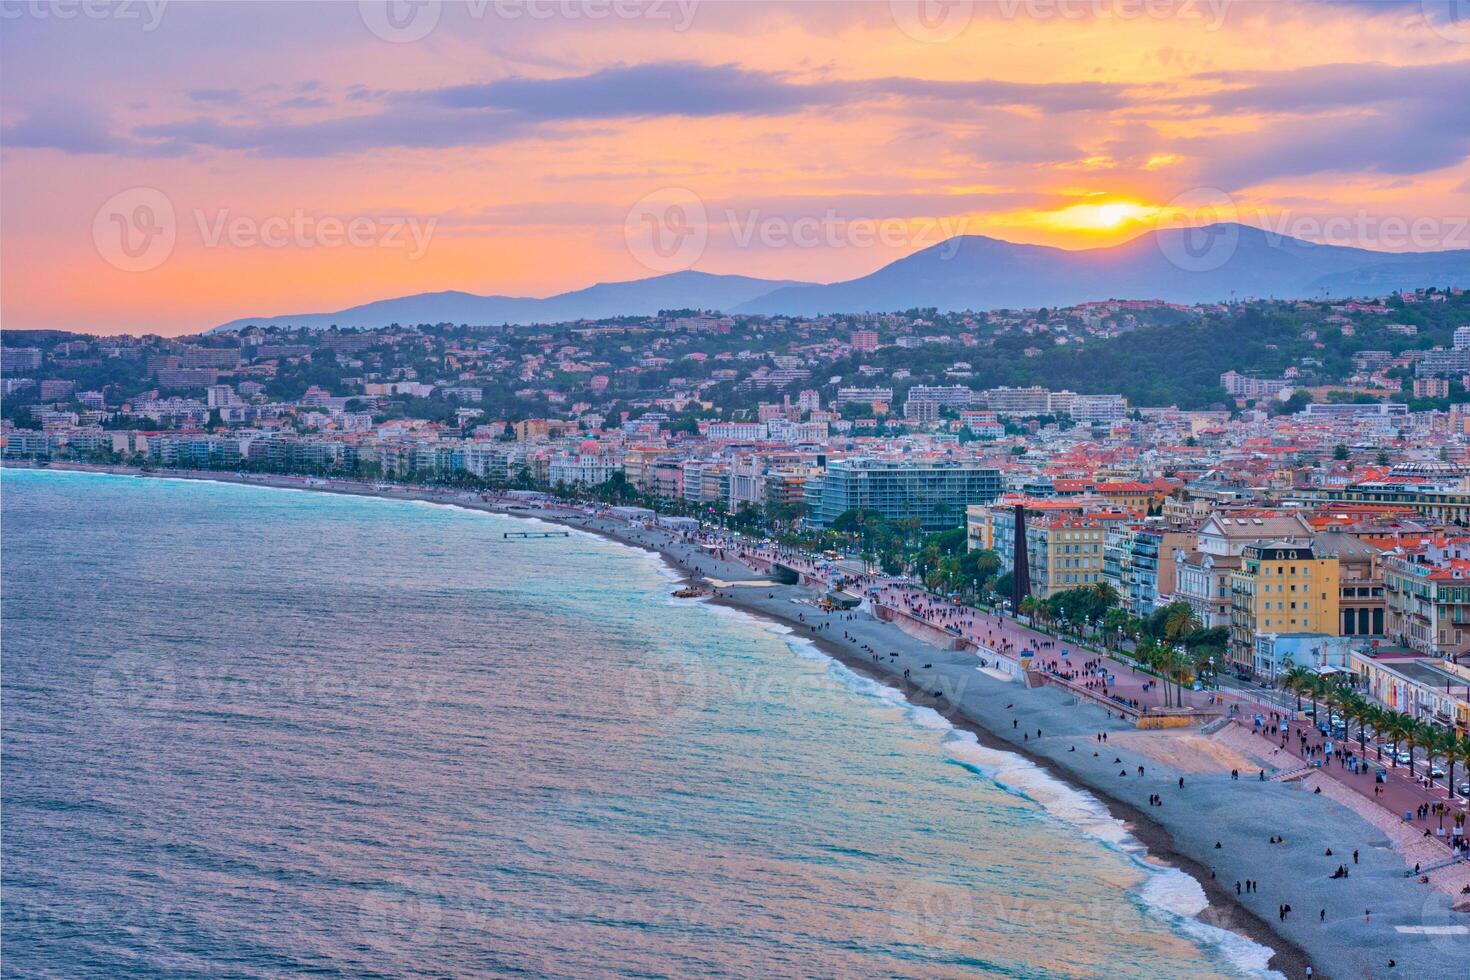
257,732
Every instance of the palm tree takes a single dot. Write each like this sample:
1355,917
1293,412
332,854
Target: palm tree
1451,747
1413,738
1356,708
1171,666
1395,727
1351,707
1200,659
1381,719
1295,679
1460,753
1313,687
1115,623
1426,736
1180,623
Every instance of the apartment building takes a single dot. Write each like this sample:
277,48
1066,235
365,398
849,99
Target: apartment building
1065,539
934,493
1281,587
588,469
1138,562
1362,609
1427,596
1202,574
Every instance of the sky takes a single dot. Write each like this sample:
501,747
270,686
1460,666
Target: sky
166,166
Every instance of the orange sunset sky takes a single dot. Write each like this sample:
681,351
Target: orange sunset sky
521,143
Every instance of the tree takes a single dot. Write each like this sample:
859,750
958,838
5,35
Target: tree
1296,679
1355,708
1340,452
1180,622
1397,727
1003,584
1376,718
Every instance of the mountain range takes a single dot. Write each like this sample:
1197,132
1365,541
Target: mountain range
1216,263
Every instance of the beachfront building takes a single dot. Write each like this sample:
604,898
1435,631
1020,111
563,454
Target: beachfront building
1281,587
992,526
1427,596
785,486
1202,573
1062,553
747,482
587,469
934,493
1065,539
496,461
1138,562
1406,681
1361,607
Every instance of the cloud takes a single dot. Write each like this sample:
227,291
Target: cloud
225,96
518,107
1340,86
1345,119
1047,96
659,89
62,124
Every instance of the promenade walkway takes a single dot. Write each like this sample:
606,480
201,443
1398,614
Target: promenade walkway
1428,805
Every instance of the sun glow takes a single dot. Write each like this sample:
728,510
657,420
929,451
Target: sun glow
1101,217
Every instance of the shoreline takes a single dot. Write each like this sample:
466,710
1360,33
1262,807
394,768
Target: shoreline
1225,911
1287,957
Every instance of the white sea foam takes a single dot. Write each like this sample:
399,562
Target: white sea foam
802,647
1167,894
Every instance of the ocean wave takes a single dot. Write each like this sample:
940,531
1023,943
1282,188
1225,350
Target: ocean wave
1167,894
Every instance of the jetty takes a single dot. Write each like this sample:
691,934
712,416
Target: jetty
538,534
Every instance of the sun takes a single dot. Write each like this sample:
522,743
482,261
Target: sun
1113,215
1103,216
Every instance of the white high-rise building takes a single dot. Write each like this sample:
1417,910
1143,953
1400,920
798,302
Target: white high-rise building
222,396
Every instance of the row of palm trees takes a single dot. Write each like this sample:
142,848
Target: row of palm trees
1174,664
1387,725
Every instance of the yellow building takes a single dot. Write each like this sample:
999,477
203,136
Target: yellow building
1064,544
1282,588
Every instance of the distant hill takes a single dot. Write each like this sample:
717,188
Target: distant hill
640,297
1186,266
971,272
